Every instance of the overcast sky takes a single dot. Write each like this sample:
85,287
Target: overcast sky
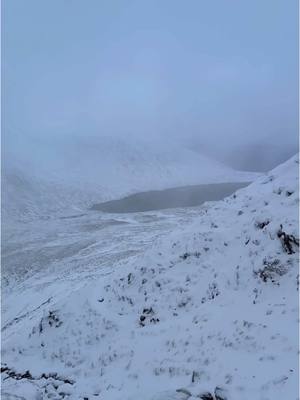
213,72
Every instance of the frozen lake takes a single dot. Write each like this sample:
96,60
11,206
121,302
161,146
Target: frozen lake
186,196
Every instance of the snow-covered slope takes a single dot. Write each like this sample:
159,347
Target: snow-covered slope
210,311
82,173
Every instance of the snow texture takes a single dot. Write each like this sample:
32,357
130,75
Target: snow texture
166,305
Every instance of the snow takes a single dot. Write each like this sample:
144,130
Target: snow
47,182
159,305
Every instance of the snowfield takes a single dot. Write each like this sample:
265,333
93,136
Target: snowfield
62,178
165,305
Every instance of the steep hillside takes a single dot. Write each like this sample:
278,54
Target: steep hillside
209,312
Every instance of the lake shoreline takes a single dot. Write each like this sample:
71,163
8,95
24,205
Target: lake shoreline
183,196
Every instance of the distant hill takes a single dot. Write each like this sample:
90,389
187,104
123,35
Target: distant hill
52,177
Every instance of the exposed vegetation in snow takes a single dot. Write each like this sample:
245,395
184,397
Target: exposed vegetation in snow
209,311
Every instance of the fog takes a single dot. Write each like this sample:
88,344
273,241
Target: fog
145,253
219,77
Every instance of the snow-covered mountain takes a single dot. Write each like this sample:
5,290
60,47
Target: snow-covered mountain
209,310
58,176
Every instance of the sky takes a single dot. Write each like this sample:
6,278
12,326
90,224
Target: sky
217,75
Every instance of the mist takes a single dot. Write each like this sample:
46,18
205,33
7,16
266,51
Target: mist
218,77
150,199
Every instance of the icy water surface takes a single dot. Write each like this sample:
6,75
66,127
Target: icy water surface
186,196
